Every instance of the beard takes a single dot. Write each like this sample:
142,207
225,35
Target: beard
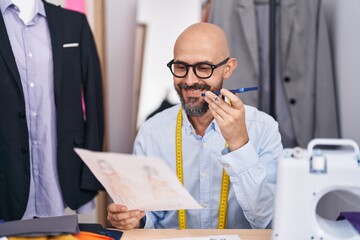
194,106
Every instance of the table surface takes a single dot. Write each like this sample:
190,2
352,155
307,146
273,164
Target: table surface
244,234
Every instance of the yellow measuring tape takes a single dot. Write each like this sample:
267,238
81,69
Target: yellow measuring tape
179,172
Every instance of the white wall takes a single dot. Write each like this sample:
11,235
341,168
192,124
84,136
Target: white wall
343,18
165,20
120,21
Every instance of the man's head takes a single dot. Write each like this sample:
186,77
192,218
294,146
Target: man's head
204,45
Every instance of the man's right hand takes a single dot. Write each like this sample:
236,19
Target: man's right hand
120,217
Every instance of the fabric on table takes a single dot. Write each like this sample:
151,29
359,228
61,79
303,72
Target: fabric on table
49,226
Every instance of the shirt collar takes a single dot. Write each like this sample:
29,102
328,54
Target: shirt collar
4,4
40,9
189,129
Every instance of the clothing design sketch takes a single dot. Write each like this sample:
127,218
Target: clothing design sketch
159,186
119,185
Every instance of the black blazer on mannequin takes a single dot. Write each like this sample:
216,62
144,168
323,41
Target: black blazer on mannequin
74,68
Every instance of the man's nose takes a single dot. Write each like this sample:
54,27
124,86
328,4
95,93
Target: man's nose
190,77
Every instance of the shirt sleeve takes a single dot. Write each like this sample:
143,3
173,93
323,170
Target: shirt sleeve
151,219
250,175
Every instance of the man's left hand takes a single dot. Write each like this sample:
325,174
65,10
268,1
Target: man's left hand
230,117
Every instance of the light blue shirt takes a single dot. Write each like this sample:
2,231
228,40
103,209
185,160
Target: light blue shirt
251,194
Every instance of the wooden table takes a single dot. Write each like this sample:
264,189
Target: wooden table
244,234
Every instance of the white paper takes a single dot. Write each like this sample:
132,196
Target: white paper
138,182
217,237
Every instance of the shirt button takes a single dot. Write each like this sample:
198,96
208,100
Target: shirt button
204,174
33,114
226,165
32,84
204,144
205,205
30,55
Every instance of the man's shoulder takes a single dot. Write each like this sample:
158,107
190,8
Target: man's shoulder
252,114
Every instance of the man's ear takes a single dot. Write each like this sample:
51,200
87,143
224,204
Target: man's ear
229,68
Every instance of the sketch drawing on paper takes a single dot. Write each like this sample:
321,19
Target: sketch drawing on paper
160,188
119,185
138,182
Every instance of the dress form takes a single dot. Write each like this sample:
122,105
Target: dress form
27,9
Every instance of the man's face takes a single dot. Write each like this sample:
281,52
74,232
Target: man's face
191,87
201,44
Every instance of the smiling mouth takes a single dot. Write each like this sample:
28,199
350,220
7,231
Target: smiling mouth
193,92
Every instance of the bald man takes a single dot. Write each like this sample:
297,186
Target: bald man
215,136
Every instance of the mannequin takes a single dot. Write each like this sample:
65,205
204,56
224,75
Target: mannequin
48,59
27,9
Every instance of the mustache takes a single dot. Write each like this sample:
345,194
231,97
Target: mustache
195,86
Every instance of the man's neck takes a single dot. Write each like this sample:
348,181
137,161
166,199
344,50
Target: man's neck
200,123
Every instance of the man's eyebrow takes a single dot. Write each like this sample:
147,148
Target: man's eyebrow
206,61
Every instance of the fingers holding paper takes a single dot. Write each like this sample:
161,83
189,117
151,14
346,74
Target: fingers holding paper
230,117
120,217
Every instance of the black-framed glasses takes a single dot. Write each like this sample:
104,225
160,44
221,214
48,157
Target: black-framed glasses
202,70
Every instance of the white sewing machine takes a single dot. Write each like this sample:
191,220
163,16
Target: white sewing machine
305,178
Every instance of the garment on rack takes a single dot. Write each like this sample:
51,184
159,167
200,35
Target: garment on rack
306,72
282,113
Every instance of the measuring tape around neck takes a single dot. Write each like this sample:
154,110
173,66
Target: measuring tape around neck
179,172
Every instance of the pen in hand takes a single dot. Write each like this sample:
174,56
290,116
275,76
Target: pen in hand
237,90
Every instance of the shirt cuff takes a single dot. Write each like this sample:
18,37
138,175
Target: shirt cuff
239,160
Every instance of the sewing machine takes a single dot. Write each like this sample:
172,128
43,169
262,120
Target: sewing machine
306,177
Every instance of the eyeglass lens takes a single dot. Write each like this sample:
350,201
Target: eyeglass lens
202,70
